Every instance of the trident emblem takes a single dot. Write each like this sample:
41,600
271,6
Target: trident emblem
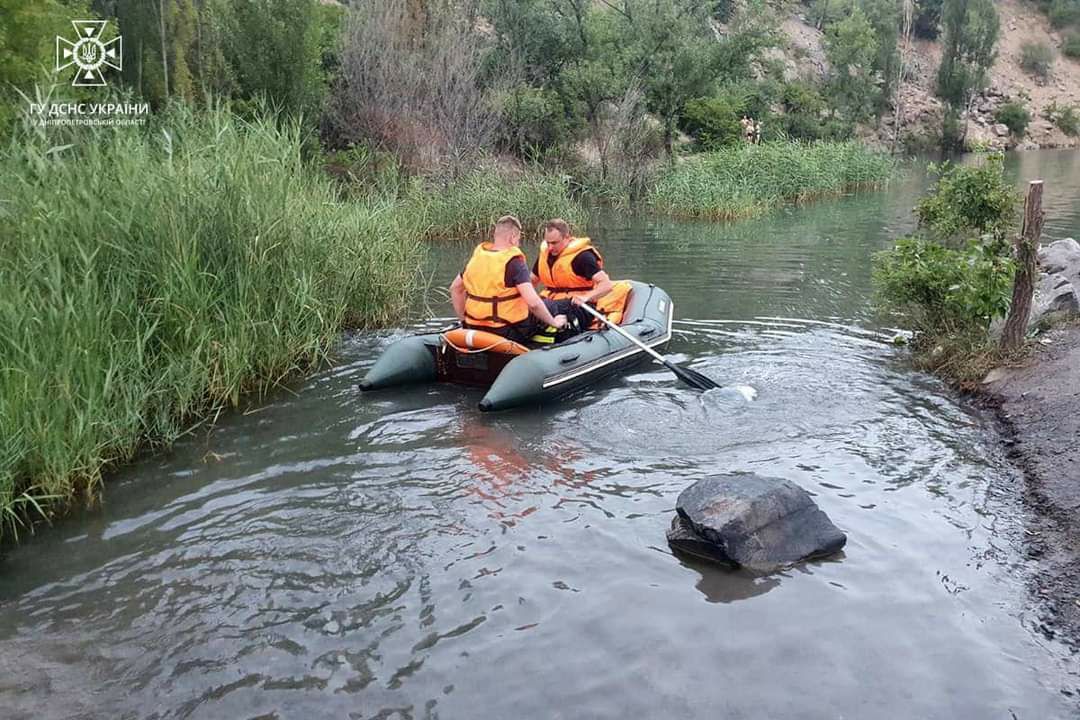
88,54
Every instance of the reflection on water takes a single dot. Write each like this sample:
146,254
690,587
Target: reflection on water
403,555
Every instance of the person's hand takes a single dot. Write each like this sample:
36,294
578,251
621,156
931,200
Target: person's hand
560,322
578,301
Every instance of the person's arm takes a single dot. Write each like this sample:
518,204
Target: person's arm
587,264
538,308
601,287
457,297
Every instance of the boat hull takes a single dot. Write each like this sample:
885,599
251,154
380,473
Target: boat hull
536,377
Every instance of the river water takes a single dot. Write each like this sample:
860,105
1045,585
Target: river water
401,555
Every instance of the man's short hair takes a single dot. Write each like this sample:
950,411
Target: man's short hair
508,221
559,225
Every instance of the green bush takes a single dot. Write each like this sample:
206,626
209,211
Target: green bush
1066,118
954,276
1063,13
714,121
927,20
1069,121
534,121
1015,116
939,287
803,107
152,275
1037,58
969,199
1070,46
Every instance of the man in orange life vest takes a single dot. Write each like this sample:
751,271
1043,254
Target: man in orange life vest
495,292
571,268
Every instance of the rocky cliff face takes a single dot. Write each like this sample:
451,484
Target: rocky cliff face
918,112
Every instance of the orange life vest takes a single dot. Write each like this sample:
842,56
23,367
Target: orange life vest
560,280
489,302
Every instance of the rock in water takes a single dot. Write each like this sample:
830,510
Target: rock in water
758,522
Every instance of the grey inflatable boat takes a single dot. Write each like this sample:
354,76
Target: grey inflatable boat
537,376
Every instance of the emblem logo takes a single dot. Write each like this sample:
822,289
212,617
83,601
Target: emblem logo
88,53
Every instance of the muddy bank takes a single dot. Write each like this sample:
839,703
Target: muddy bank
1039,407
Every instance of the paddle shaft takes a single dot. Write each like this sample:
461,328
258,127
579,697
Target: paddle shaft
600,316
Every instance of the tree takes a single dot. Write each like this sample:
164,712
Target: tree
851,47
884,18
27,34
927,19
971,30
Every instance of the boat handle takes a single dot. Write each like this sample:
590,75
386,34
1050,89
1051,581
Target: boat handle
569,359
646,331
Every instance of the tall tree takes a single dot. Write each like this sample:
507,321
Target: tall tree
851,46
971,30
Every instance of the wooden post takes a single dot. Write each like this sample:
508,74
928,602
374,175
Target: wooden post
1027,247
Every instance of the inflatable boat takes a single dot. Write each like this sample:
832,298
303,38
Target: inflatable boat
516,375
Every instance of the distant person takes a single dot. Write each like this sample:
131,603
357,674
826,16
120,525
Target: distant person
747,128
495,291
572,273
757,132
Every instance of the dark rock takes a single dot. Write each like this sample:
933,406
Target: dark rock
758,522
681,537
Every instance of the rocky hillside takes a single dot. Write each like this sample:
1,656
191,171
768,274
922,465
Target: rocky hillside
919,112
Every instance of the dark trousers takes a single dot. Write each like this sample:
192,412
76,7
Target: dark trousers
577,321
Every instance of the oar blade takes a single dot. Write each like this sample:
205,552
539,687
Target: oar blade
693,378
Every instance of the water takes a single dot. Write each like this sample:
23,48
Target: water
400,555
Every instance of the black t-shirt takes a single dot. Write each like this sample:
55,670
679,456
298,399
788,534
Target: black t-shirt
585,264
517,272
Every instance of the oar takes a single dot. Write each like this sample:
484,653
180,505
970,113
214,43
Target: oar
691,377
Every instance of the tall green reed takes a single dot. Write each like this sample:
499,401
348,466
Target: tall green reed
745,180
152,275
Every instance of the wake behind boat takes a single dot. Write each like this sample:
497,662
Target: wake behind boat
516,375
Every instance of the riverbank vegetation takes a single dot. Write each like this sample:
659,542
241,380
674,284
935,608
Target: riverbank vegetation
152,277
953,277
744,180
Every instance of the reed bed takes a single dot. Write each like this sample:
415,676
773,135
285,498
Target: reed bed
151,276
745,180
467,207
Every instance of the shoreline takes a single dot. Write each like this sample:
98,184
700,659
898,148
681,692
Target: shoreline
1037,406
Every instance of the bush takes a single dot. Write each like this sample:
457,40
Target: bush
1070,46
1066,118
944,288
533,121
1037,58
1063,13
714,121
1015,116
803,107
954,276
927,21
152,276
423,101
969,199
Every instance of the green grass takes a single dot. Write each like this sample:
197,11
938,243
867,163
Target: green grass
467,207
745,180
151,276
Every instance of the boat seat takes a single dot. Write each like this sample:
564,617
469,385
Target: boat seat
475,341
